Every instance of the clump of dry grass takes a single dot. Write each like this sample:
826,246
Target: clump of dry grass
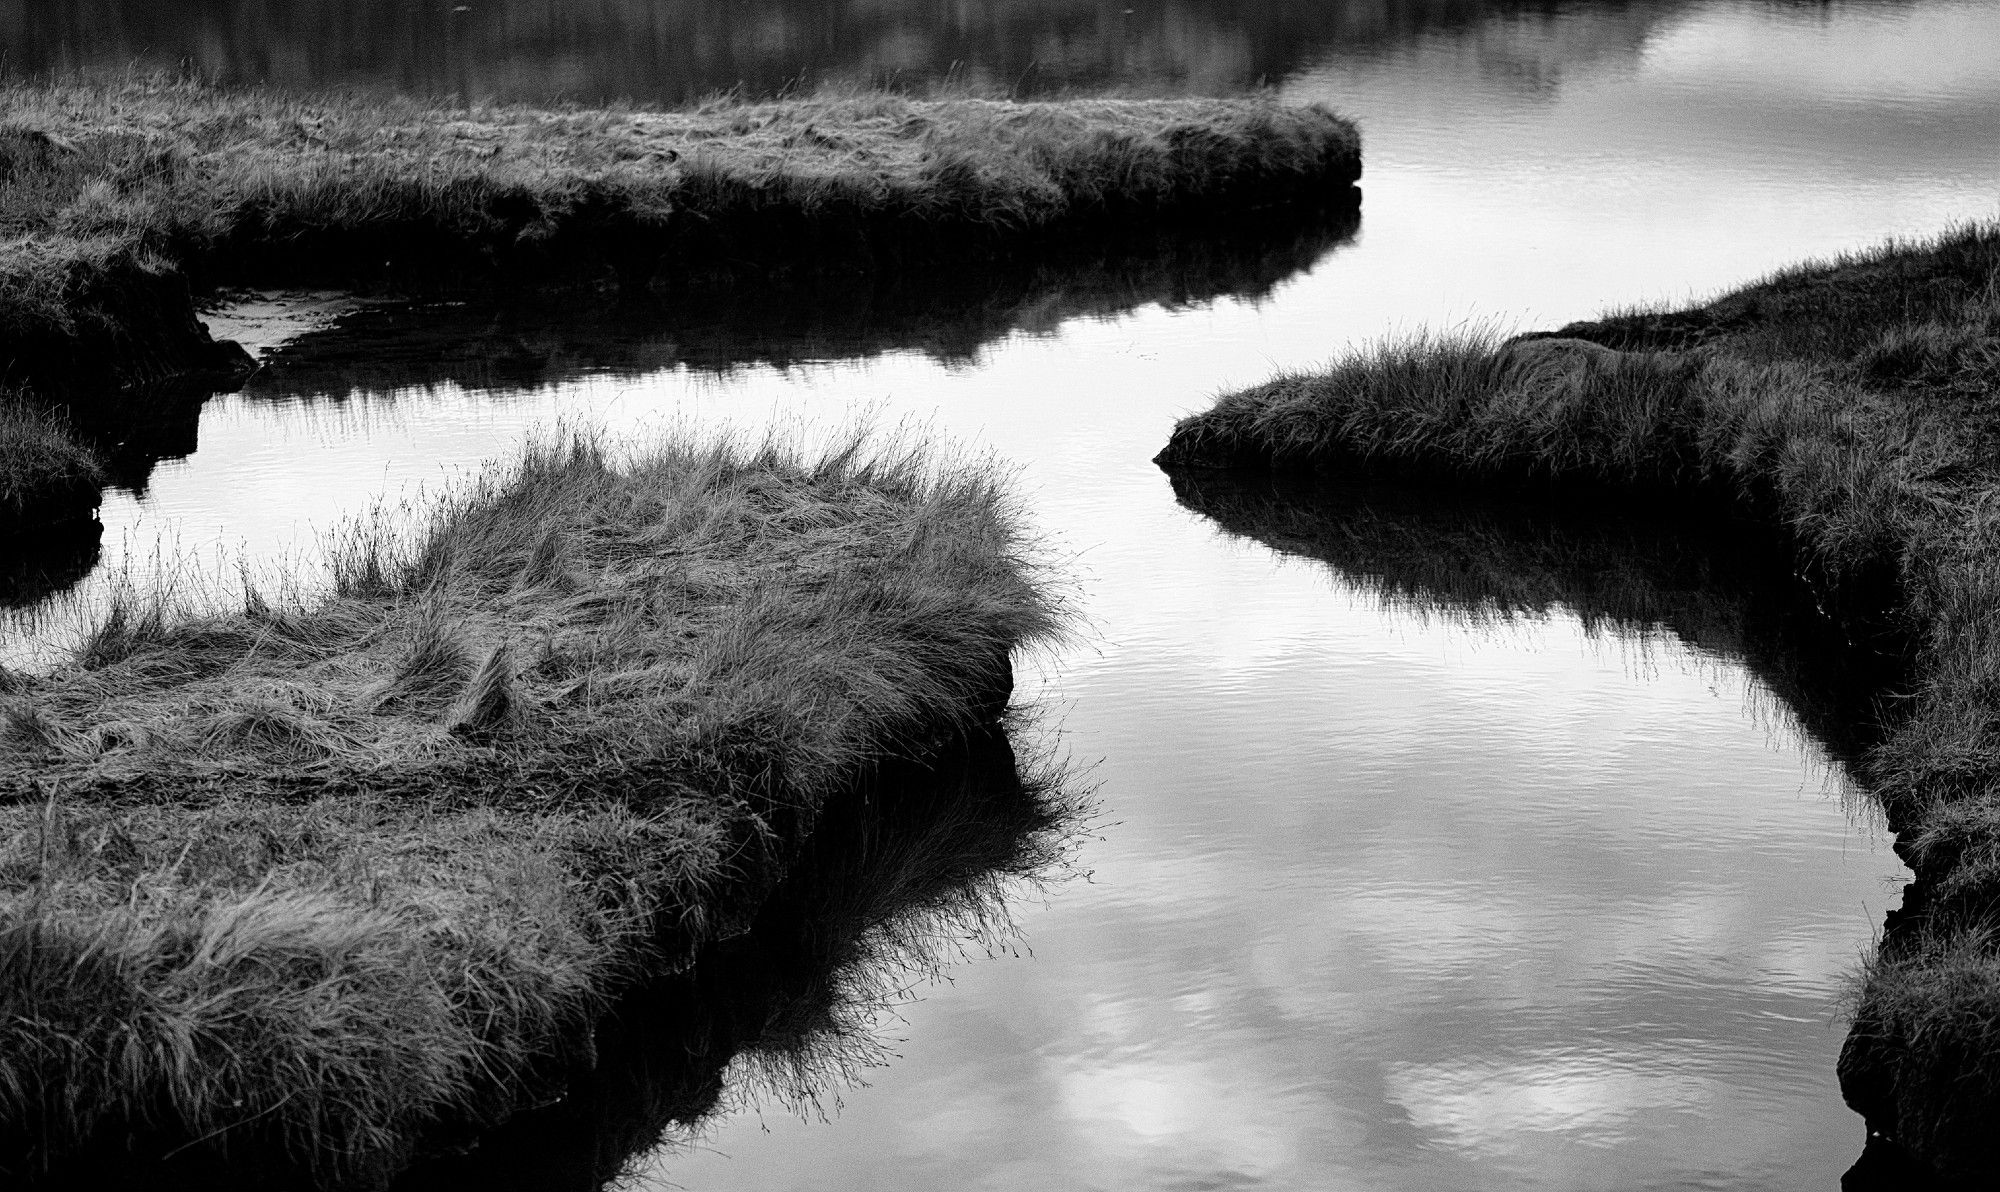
304,881
1853,403
105,188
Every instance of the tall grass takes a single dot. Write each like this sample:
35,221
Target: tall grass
1852,405
301,881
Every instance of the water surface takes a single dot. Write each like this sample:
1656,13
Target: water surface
660,50
1401,886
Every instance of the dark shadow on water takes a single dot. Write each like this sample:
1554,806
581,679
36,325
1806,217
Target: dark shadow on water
133,430
528,339
1886,1167
1707,575
905,874
1717,581
1720,583
38,565
136,428
950,315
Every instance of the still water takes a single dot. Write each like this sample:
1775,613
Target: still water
1397,886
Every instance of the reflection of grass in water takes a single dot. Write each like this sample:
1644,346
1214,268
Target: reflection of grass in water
902,876
949,314
1851,405
48,475
420,356
1706,590
41,565
309,878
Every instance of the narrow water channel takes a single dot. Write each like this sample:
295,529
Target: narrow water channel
1436,867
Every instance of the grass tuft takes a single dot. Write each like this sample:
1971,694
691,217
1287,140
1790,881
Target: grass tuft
435,664
488,704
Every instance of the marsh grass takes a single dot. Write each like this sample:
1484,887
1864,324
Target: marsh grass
300,881
1850,404
108,192
48,475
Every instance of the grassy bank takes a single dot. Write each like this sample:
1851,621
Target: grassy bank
303,884
1850,405
48,475
114,200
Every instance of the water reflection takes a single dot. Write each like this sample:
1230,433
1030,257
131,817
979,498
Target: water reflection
907,875
1395,900
1718,581
1486,559
950,316
133,431
656,50
1460,889
136,428
37,566
330,346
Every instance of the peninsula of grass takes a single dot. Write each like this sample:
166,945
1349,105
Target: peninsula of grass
305,883
116,200
1855,407
950,314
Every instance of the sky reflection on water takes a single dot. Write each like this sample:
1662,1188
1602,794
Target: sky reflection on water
1396,904
1388,901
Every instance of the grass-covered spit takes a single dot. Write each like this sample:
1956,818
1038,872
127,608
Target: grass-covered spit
1856,405
114,198
305,881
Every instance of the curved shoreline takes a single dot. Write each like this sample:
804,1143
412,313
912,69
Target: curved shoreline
1848,404
121,203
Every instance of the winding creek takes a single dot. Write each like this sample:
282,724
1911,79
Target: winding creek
1442,844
